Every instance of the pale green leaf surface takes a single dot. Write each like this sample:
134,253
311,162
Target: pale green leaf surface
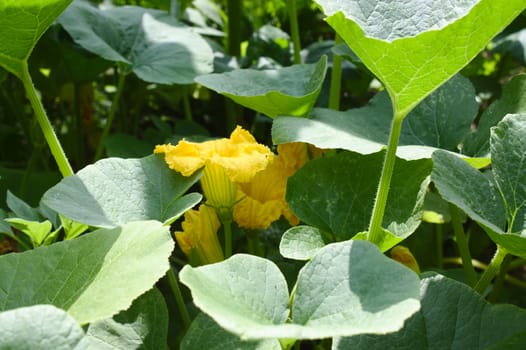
151,43
22,25
452,316
508,151
301,242
335,195
413,47
37,231
441,121
114,191
111,267
337,293
205,333
42,327
286,91
512,101
143,326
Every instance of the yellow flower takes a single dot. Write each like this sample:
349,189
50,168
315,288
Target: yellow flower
198,240
262,201
225,161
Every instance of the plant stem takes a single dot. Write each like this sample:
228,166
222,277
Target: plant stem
336,78
294,30
440,244
45,124
463,247
499,281
491,271
186,104
375,233
176,290
111,115
254,247
227,228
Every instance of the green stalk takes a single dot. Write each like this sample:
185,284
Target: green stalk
47,129
463,247
491,271
294,30
111,115
186,104
499,281
440,245
375,233
336,78
176,290
253,244
227,227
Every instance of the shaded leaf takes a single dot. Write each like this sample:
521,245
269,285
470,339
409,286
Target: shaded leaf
111,267
151,43
144,325
114,191
335,195
301,242
204,333
452,316
286,91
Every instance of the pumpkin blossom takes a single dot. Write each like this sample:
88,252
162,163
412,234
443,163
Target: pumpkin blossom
198,240
226,162
262,201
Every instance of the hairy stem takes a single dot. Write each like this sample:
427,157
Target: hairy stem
176,290
491,271
44,123
294,30
463,247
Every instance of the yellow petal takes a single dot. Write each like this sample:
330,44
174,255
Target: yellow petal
252,214
185,158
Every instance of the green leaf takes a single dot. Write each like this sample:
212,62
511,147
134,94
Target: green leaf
512,101
92,277
72,228
301,242
414,48
335,195
144,325
286,91
23,23
508,151
204,333
114,191
498,204
452,316
127,146
37,231
250,295
151,43
42,327
20,208
442,120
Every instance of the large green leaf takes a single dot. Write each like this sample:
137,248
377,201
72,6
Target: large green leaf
91,277
285,91
498,203
412,47
205,333
114,191
336,195
441,121
42,327
301,242
251,298
513,100
144,325
452,316
23,23
151,43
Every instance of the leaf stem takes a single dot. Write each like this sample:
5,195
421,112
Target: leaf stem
253,244
336,77
462,244
439,231
111,115
491,271
176,290
294,30
499,281
45,125
227,228
375,232
186,104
